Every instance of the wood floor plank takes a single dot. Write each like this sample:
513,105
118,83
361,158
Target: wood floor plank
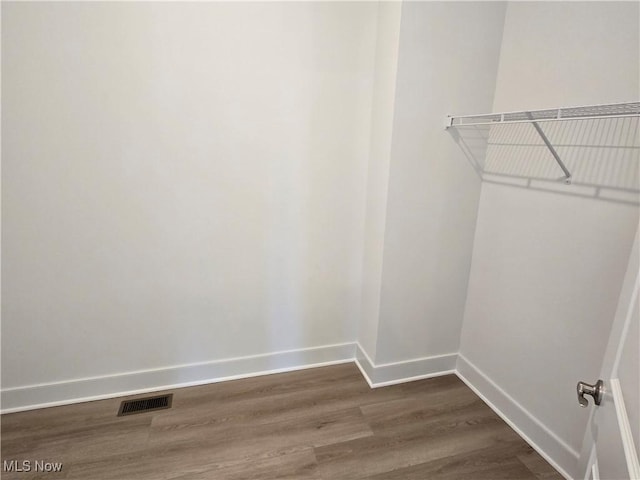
296,465
426,406
260,410
311,430
430,385
265,386
195,449
86,441
460,432
46,420
196,462
508,469
7,475
42,448
322,423
539,466
494,462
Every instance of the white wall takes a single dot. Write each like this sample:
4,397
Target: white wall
548,265
383,106
182,182
198,182
447,64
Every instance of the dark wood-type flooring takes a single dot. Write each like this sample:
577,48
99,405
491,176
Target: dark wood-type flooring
321,423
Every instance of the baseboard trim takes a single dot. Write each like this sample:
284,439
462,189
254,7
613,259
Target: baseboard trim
532,430
31,397
385,374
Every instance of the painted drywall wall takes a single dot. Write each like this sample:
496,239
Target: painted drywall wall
383,103
433,188
182,182
549,259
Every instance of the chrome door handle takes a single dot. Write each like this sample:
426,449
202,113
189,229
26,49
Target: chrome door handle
596,391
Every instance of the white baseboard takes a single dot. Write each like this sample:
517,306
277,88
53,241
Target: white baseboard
132,383
557,452
386,374
365,364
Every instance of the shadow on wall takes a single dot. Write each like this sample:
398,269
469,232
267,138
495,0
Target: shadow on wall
603,156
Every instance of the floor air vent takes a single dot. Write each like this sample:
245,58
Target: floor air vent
139,405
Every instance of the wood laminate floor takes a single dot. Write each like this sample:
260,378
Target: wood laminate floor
321,423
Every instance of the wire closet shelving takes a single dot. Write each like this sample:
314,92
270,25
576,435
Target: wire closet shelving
534,117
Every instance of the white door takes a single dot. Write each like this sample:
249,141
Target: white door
610,447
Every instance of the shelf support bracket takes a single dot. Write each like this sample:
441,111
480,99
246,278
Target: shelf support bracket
567,173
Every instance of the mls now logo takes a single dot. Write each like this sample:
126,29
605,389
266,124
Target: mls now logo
29,466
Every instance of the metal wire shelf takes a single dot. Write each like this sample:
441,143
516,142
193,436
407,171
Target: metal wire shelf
589,112
612,110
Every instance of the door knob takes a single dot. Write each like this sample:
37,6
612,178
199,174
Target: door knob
596,391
